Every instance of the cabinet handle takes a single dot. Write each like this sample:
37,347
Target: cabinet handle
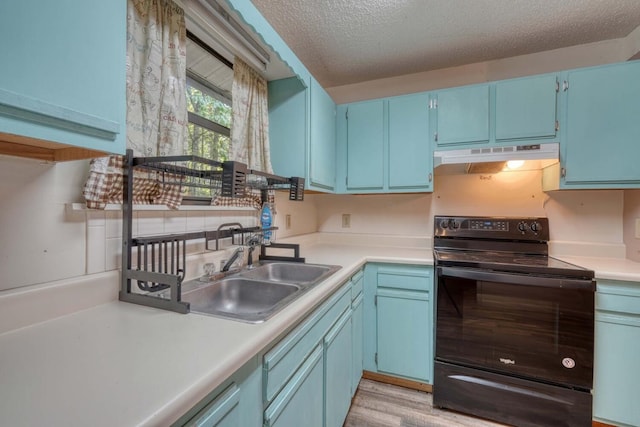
430,177
557,126
563,172
565,86
435,136
557,86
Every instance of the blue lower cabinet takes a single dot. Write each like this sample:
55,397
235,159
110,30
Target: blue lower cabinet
337,371
357,343
398,338
236,402
300,402
222,412
617,353
404,338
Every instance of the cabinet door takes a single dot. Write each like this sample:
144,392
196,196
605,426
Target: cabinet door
337,375
63,72
300,402
322,153
617,369
410,158
405,338
365,140
357,348
526,108
288,126
603,130
462,115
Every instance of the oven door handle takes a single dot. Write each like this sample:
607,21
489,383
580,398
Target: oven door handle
518,279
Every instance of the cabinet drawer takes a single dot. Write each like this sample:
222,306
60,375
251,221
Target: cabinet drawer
414,278
282,361
619,297
618,303
357,283
221,412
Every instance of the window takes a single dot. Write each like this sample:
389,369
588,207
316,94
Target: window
209,80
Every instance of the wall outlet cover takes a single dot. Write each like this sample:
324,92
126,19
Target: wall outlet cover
346,220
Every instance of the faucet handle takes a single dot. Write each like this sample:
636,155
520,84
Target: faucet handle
254,240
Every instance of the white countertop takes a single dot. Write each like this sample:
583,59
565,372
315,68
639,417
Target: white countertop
120,364
608,268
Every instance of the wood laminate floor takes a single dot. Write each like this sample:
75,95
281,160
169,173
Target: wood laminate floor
383,405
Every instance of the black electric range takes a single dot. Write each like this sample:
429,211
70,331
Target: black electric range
514,326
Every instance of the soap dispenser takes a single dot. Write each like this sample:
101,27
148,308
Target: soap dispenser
266,221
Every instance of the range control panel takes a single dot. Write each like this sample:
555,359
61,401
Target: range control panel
528,228
489,224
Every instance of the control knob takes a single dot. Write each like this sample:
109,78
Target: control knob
522,227
536,227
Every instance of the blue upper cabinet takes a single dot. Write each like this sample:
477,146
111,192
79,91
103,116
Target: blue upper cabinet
365,145
62,80
526,108
410,158
288,119
322,156
302,132
461,115
601,144
383,145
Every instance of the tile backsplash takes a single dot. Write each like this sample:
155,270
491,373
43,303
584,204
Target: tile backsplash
104,232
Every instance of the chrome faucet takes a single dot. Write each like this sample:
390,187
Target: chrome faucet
239,250
253,241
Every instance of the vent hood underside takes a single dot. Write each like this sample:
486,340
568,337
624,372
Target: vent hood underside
493,159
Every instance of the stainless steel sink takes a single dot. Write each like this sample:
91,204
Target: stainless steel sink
289,272
241,298
255,295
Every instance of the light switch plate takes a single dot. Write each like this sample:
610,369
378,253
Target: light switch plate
346,220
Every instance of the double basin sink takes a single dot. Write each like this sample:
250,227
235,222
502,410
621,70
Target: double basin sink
255,295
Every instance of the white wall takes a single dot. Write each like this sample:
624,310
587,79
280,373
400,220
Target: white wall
574,216
40,241
631,216
590,54
44,241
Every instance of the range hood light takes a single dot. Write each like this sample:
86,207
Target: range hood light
514,164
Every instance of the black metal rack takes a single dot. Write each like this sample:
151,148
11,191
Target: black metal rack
161,260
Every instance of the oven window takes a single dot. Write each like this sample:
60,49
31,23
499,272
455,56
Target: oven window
519,329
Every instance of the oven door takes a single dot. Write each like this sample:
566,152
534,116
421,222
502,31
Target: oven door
518,324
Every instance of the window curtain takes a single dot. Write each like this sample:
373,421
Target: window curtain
249,129
156,105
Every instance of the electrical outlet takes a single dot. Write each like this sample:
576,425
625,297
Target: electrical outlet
346,220
287,221
637,228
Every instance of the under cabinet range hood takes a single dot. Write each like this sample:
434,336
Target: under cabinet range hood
496,155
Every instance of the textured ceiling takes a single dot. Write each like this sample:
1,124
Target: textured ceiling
349,41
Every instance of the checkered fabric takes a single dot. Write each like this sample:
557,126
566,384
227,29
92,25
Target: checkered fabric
104,185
